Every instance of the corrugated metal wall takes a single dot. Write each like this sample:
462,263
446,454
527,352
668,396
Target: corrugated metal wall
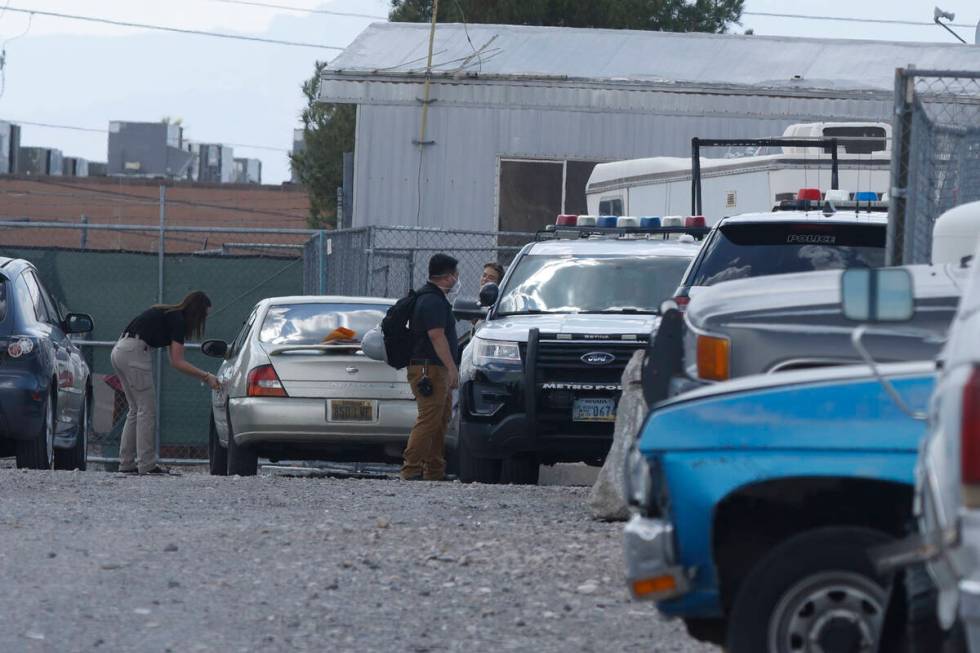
474,124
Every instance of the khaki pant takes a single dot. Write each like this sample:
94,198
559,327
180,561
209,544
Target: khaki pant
131,359
425,454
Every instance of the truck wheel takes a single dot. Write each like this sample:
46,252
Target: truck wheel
242,460
473,469
520,470
816,591
217,455
707,630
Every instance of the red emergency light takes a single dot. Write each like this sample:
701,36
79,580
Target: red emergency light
695,221
565,220
812,194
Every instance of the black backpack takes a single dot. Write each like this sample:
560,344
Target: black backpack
396,327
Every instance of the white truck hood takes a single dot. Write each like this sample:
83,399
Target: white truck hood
515,328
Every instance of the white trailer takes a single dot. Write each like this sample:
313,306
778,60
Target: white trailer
660,186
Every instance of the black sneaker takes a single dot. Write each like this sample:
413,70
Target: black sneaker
160,470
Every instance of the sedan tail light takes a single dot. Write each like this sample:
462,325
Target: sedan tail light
682,301
970,430
264,382
713,358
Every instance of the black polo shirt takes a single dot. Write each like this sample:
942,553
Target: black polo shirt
432,311
158,328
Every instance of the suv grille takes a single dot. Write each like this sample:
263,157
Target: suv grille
562,361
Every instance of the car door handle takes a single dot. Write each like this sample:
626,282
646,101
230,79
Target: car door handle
352,370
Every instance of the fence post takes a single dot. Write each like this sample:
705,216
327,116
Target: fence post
159,362
321,259
84,243
901,153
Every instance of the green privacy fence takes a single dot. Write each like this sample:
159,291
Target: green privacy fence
115,286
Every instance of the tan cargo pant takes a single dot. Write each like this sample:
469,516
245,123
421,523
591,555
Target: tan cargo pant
425,453
131,359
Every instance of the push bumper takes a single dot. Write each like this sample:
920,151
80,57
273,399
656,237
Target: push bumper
651,569
513,435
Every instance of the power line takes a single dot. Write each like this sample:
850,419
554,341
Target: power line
178,30
328,12
848,19
49,125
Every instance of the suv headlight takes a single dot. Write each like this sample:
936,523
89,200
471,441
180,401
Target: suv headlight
637,479
495,353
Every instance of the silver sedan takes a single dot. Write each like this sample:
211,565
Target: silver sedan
296,385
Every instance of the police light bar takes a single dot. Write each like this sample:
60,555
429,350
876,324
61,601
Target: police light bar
672,221
695,221
811,194
586,221
586,226
866,196
626,222
566,220
607,221
650,222
838,196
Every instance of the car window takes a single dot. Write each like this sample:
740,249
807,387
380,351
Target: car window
40,310
49,304
739,251
591,284
309,324
239,342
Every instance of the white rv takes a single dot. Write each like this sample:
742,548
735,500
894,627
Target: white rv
662,185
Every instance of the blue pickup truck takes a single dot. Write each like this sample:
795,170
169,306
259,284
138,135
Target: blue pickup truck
755,503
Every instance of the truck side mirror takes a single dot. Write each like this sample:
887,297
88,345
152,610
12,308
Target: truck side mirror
489,294
877,295
467,309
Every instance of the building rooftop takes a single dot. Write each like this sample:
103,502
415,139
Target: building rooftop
629,56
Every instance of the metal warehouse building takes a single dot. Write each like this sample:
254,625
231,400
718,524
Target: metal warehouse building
520,115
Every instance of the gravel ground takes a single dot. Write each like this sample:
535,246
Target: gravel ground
98,561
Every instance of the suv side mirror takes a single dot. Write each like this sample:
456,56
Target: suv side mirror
468,309
214,348
877,295
79,323
489,294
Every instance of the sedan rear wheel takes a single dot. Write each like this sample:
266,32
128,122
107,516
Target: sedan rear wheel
77,456
242,459
37,453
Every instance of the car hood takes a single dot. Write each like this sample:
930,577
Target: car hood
782,296
515,327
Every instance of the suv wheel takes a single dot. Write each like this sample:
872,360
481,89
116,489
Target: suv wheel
520,470
36,453
818,589
473,469
77,456
217,454
242,460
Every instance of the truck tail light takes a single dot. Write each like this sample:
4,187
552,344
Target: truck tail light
713,358
970,430
264,382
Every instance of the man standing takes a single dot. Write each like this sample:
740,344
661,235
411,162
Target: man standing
432,371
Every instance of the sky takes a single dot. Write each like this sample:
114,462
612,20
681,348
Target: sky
66,72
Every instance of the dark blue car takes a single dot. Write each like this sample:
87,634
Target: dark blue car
45,384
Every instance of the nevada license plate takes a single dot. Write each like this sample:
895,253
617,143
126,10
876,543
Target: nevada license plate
349,410
594,410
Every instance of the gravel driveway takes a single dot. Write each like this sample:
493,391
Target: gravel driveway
102,562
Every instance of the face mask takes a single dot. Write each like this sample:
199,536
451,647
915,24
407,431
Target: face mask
454,291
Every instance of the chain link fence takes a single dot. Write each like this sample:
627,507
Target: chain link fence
115,271
935,155
388,261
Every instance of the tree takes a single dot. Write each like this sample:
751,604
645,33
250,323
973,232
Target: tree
328,132
662,15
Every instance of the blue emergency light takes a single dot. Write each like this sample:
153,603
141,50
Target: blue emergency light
607,221
866,196
650,222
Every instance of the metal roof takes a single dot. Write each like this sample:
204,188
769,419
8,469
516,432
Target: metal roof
629,56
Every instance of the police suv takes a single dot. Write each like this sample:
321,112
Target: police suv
541,379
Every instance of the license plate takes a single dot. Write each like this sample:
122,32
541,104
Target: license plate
594,410
348,410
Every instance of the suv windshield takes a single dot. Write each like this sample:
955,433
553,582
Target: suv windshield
309,324
738,251
591,284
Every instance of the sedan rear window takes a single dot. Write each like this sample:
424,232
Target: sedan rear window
739,251
309,324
